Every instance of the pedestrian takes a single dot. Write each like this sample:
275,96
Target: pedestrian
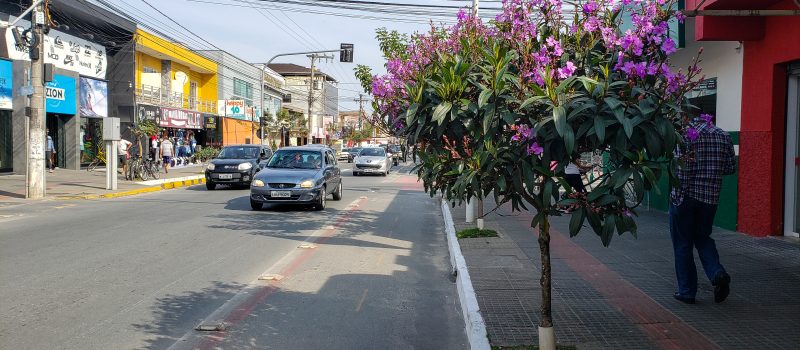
123,147
707,154
573,174
154,148
167,152
50,152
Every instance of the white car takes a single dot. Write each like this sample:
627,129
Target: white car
372,160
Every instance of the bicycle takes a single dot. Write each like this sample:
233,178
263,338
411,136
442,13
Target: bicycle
98,159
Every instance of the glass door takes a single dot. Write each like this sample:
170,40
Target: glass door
791,222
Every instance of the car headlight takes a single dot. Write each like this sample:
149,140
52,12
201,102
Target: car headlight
307,184
257,183
210,166
245,166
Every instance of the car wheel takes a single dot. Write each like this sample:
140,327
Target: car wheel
255,205
337,196
355,173
320,205
210,185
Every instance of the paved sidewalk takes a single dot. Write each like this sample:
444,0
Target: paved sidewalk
64,183
620,297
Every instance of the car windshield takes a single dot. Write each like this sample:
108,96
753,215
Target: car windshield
238,152
296,159
373,152
394,149
355,150
345,150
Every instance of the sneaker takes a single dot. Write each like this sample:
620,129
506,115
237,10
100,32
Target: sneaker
722,286
683,298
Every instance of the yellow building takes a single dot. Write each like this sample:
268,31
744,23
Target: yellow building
176,86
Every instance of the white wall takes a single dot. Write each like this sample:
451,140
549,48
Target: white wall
721,60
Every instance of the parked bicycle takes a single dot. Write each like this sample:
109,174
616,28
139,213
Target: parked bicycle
143,169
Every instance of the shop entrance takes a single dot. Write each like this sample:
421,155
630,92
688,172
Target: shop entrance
55,123
791,221
6,143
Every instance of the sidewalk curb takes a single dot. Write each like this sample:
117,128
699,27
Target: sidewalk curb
475,326
168,185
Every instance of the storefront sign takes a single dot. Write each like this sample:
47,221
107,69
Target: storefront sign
6,92
180,118
210,121
60,95
94,98
235,109
64,51
145,112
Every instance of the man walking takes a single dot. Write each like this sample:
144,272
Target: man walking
123,147
50,152
167,151
707,155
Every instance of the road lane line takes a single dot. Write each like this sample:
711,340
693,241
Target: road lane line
361,301
243,303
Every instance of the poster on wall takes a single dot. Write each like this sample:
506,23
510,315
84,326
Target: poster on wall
180,118
6,84
63,50
94,98
234,109
60,95
145,112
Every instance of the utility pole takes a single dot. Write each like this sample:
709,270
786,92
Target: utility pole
360,101
36,181
475,5
311,99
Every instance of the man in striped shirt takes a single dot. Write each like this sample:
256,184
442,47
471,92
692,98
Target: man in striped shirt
706,156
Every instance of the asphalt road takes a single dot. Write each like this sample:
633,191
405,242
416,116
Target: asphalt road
142,272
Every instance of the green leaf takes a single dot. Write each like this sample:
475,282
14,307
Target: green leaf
484,97
560,118
608,230
411,113
576,221
531,100
627,125
569,140
576,111
488,117
622,177
547,193
441,111
600,128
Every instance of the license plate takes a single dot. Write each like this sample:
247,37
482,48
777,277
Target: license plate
225,176
280,194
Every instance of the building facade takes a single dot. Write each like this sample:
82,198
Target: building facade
92,55
324,97
177,87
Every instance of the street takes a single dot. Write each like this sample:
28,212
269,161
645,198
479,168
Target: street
371,271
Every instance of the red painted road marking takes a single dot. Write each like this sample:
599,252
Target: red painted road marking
657,322
246,307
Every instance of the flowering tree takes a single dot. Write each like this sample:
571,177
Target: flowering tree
501,108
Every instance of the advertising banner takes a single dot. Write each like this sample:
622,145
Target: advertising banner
94,98
64,51
210,121
144,112
180,118
234,109
5,84
60,95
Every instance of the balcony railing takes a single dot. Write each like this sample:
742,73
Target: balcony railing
157,96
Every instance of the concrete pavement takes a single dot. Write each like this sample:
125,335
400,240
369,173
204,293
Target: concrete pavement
620,297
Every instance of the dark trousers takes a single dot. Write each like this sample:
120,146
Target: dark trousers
50,163
690,227
576,182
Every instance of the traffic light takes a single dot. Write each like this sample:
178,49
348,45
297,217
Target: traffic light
346,53
260,133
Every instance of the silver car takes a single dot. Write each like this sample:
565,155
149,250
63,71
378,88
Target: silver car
372,160
298,175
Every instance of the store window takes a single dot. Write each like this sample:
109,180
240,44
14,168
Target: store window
704,97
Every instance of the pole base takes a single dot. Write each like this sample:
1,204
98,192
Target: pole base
480,224
547,338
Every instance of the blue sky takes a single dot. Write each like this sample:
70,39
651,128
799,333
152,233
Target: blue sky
256,35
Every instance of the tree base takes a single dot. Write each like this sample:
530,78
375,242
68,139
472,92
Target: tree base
547,338
480,224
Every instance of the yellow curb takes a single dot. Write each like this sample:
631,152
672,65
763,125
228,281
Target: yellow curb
165,186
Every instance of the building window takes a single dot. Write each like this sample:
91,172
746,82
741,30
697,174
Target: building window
243,89
147,69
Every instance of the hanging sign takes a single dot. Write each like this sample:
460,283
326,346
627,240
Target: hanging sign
180,118
64,51
145,112
60,95
235,109
94,98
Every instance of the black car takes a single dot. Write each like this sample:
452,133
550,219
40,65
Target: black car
236,165
298,175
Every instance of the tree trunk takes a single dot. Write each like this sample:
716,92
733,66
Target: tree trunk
546,337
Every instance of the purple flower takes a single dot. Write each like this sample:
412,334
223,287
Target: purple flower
708,118
680,16
668,46
591,24
692,134
566,71
462,15
535,149
590,7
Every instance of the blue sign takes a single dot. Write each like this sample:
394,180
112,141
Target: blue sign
60,94
5,84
